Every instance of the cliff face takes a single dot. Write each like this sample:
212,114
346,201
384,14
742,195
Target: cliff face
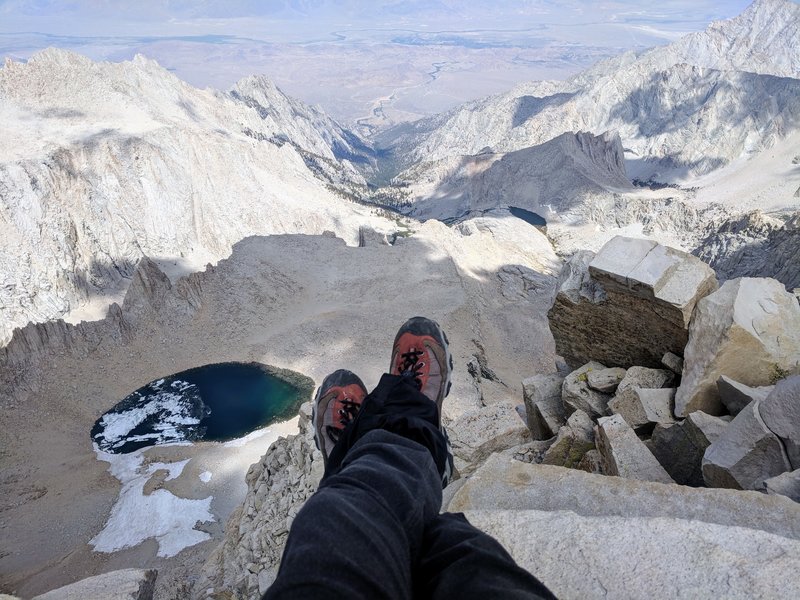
101,164
549,179
246,561
149,296
755,245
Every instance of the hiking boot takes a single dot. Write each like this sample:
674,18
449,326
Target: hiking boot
420,353
336,404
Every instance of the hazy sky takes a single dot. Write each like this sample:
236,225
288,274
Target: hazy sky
312,17
371,61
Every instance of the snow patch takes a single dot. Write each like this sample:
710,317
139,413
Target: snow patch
205,476
160,415
238,443
175,469
162,515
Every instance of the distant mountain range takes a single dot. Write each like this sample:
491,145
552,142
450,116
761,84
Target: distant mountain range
681,110
678,142
102,163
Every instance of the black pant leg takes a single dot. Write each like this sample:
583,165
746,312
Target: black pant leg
395,405
360,533
372,530
460,561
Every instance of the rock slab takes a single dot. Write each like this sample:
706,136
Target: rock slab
127,584
574,440
580,557
478,433
704,429
624,454
505,484
785,484
781,413
577,395
643,408
680,447
745,454
644,377
735,396
607,380
628,305
677,453
748,330
543,405
673,362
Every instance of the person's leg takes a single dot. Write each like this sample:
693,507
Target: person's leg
372,529
460,561
358,536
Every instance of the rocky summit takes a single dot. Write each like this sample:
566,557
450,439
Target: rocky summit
615,259
603,453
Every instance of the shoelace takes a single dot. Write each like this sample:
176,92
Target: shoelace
346,414
411,365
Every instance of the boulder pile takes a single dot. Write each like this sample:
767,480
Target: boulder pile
670,385
722,406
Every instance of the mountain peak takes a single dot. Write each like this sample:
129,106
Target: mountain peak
261,83
59,56
762,13
771,5
764,38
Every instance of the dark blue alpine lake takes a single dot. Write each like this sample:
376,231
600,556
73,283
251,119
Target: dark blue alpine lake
215,402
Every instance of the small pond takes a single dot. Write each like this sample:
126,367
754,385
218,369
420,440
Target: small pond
215,402
528,216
